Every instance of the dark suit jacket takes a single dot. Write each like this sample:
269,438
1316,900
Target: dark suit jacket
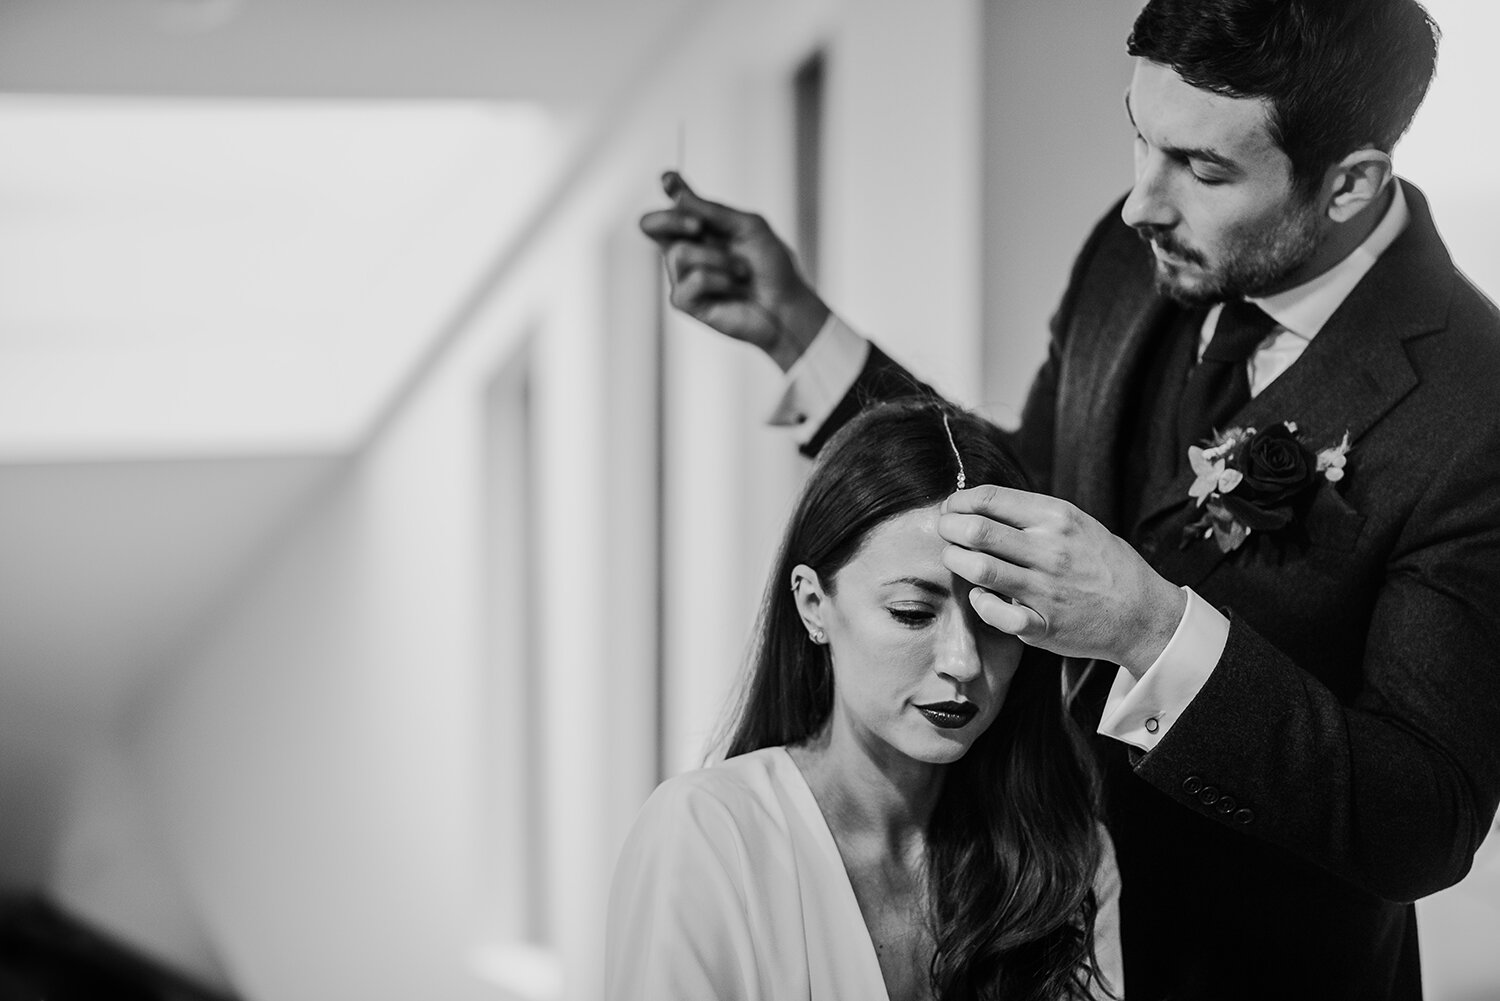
1344,757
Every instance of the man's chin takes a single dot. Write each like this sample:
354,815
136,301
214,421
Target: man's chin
1188,287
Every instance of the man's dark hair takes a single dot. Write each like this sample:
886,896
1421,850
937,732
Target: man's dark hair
1340,75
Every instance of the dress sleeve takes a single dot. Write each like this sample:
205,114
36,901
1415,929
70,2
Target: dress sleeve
1107,923
678,926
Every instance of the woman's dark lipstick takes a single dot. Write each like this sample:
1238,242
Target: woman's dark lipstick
949,715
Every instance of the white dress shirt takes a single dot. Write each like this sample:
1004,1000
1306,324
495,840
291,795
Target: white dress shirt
1137,712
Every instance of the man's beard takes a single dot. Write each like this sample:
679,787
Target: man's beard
1252,265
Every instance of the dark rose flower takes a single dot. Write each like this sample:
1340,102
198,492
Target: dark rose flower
1250,483
1253,513
1276,466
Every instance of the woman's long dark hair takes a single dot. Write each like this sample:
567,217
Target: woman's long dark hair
1013,842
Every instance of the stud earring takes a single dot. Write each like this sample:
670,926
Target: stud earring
818,636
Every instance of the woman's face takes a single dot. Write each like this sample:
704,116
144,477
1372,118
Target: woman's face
914,668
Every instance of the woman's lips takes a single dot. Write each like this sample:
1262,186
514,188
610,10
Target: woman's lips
949,715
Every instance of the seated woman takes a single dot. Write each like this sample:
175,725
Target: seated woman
904,811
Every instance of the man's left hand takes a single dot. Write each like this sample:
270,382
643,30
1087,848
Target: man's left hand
1074,587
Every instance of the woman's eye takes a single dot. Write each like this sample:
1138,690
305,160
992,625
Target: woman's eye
911,616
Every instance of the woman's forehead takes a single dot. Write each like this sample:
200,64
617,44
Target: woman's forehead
906,545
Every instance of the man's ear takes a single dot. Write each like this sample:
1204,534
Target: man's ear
1356,182
808,593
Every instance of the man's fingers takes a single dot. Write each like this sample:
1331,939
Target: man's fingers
683,257
705,284
984,534
986,571
726,220
667,226
1018,508
1007,616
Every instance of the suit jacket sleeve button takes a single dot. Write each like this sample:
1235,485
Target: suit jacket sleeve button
1226,804
1191,785
1208,795
1244,816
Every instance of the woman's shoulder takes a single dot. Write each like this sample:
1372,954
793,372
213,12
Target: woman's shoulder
740,781
704,901
742,786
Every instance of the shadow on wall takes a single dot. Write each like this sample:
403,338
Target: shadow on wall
47,954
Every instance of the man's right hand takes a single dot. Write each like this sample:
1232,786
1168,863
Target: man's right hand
729,270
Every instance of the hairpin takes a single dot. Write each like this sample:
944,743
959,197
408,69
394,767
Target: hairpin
956,457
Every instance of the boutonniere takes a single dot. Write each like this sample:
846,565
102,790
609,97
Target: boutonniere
1257,481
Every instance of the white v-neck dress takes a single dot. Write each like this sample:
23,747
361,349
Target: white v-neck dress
730,887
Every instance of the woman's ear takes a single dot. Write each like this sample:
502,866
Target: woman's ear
808,593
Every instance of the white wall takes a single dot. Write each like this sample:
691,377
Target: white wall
902,255
104,565
1449,153
319,758
1056,155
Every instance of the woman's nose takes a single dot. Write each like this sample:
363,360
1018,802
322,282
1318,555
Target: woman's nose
958,651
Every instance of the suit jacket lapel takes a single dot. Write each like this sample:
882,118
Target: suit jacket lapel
1354,370
1110,342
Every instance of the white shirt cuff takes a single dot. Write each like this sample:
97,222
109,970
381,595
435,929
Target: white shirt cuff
818,380
1141,712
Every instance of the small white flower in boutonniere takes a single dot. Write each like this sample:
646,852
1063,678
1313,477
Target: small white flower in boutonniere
1248,481
1331,461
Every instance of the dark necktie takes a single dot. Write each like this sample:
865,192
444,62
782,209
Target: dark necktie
1218,385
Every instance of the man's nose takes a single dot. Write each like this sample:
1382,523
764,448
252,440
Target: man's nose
1148,203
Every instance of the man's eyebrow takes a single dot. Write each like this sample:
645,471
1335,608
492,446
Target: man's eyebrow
1203,154
922,584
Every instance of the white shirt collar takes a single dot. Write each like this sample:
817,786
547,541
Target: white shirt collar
1304,309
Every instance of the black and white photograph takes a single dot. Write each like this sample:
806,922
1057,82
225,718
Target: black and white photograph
708,500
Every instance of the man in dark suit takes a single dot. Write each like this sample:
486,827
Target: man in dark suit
1287,644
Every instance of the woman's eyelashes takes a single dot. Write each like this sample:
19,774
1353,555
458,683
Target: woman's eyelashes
912,616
